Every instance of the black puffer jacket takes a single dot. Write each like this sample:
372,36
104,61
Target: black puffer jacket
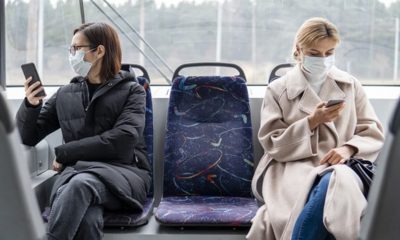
103,136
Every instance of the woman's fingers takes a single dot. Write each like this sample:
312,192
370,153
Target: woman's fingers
31,92
26,83
36,91
333,112
335,160
326,158
57,166
321,104
335,107
32,87
333,157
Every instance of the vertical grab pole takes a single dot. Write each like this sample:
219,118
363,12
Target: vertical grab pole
396,49
81,7
2,45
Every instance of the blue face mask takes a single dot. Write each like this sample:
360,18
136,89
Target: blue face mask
80,66
318,66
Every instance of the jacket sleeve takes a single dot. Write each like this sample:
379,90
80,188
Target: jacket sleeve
116,144
35,123
282,141
368,136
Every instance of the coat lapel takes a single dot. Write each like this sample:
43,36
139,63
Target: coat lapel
331,90
298,86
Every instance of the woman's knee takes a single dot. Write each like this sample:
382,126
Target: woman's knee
85,185
82,180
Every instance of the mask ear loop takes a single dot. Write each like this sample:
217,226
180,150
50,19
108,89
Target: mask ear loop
95,48
301,56
296,53
90,50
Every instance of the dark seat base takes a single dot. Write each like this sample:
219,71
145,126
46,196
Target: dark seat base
121,218
206,210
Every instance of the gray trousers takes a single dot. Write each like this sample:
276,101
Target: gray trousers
77,211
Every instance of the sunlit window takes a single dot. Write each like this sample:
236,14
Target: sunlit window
255,34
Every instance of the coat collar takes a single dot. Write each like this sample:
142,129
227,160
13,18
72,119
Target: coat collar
105,87
297,84
110,83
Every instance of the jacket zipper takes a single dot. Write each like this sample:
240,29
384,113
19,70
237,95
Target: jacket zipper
89,101
86,96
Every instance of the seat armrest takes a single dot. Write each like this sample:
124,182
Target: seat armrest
38,158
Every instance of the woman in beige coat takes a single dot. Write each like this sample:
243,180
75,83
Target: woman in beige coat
306,143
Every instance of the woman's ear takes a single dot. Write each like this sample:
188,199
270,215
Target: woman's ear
298,49
296,53
100,51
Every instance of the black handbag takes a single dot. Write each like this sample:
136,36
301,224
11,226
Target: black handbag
364,169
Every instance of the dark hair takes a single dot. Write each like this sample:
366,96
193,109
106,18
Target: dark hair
103,34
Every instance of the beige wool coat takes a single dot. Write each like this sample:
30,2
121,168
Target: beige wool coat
286,172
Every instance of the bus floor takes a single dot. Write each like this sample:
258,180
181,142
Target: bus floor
153,230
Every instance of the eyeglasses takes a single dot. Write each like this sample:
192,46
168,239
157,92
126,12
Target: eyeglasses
74,48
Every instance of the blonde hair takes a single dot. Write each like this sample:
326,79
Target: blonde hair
312,31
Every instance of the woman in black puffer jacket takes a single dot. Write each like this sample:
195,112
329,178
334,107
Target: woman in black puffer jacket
101,114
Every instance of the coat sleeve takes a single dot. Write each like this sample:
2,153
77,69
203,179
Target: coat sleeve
282,141
368,136
35,123
116,144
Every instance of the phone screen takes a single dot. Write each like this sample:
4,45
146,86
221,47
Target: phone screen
334,102
29,70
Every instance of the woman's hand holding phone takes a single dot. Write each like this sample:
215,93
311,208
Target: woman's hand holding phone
31,92
325,112
333,102
34,91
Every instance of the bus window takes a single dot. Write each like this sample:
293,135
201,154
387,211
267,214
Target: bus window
257,35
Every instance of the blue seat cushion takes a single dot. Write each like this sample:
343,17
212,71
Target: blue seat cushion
120,218
208,143
206,210
148,129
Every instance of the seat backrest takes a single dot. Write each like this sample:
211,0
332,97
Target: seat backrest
19,210
279,71
381,220
144,80
208,144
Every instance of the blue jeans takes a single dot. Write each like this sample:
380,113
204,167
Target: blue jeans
77,211
309,225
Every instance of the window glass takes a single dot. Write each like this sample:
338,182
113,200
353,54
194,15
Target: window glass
40,31
255,34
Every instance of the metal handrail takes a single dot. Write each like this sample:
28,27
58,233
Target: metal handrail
132,41
210,64
140,36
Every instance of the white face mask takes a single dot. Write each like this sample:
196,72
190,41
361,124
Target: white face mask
318,66
80,66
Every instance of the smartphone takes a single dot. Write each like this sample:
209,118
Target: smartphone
334,102
29,70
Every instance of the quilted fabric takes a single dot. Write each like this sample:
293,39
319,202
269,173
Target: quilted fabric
120,218
129,219
208,145
200,210
148,129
